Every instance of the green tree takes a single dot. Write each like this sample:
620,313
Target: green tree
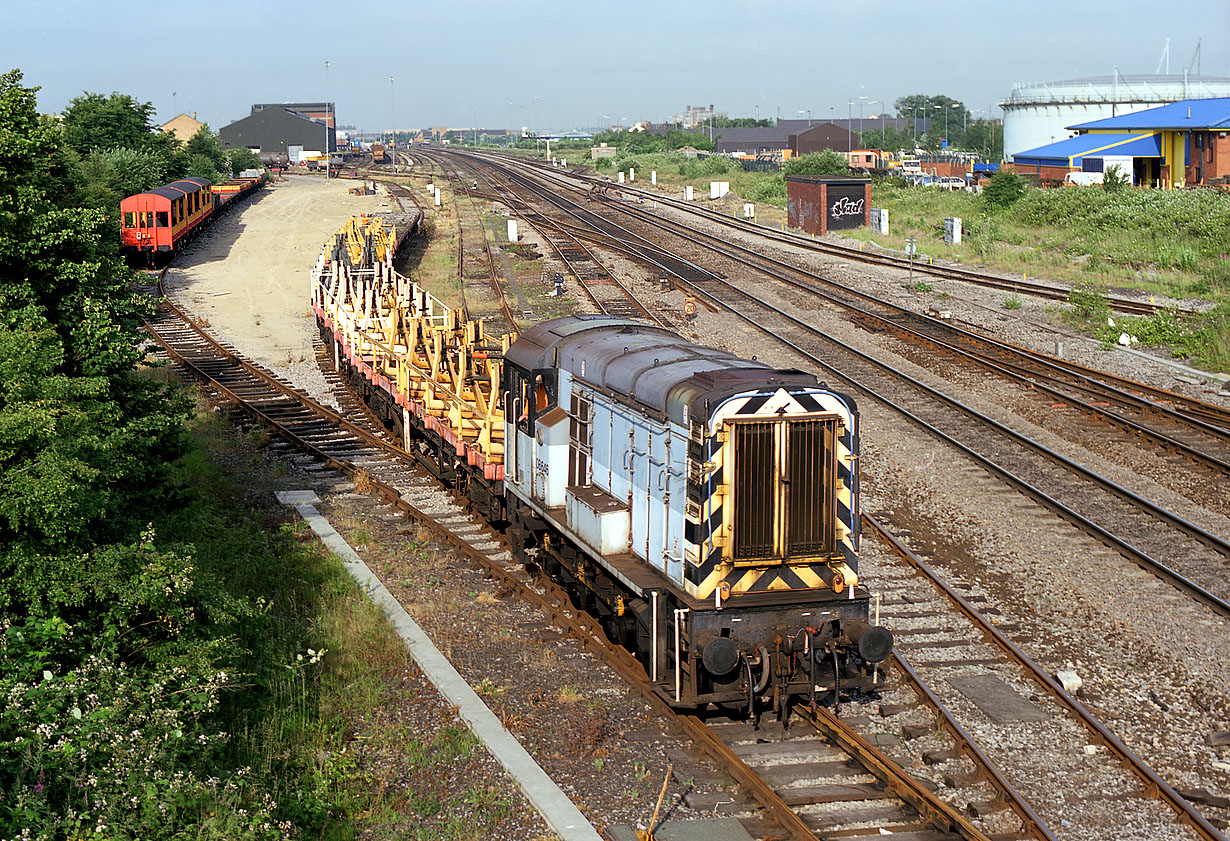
110,175
241,159
83,441
205,156
1115,179
985,138
887,138
827,162
93,121
932,109
740,122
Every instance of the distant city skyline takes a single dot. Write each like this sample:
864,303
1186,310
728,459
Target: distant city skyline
534,64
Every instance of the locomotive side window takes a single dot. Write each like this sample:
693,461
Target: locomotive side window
579,442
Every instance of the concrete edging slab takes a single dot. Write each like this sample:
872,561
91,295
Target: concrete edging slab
560,813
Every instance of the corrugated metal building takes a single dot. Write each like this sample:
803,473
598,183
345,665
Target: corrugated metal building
269,130
1186,143
823,136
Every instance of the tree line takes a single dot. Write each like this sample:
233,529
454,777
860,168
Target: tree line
113,150
122,650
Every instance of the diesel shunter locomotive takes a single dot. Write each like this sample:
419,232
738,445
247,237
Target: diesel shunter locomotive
703,506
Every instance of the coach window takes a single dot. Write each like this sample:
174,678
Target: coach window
162,219
130,220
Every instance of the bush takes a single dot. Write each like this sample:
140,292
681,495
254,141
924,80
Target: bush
1004,189
1114,179
769,190
1088,302
827,162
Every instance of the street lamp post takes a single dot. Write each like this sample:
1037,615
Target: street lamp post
393,135
849,134
327,156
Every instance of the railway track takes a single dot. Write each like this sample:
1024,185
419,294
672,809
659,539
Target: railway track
366,458
364,448
934,624
475,261
1117,516
601,285
1104,386
1013,285
850,782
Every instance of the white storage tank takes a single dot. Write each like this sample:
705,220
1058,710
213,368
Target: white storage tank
1039,113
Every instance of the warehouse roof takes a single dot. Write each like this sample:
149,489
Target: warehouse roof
1184,115
1069,152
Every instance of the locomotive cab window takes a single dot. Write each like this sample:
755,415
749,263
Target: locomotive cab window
544,392
784,489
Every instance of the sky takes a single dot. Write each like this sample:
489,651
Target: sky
558,66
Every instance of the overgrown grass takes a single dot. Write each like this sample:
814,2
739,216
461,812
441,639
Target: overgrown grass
318,653
244,726
1173,243
1203,339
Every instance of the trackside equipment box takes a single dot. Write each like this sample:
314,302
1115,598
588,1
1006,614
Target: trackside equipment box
822,203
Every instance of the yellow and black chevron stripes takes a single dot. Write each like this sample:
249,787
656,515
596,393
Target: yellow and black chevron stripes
707,530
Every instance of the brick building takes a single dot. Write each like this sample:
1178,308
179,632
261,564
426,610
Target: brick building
818,204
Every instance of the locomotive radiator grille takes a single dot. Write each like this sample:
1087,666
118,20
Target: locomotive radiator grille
811,514
756,465
784,490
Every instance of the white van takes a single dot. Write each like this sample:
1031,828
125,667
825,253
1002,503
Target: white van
1083,179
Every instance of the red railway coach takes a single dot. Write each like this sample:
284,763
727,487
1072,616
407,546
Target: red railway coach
156,222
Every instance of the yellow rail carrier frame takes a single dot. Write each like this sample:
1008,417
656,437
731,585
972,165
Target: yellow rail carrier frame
422,353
